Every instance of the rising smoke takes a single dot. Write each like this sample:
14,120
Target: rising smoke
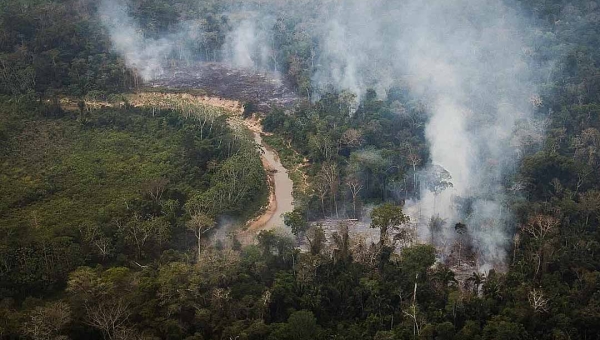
468,60
247,45
147,56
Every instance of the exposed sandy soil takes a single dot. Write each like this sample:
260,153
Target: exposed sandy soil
229,88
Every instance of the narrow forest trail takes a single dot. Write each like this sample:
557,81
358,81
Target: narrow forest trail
281,187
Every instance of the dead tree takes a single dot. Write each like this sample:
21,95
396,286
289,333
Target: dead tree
540,228
200,224
355,187
331,176
460,229
538,301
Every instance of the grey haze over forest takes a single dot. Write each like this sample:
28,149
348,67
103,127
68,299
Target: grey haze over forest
468,61
421,169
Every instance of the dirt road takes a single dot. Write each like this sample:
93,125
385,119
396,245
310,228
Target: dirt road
229,88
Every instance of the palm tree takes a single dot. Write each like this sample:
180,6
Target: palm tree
477,279
445,276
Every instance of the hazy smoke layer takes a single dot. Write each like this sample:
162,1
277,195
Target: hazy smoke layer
466,60
147,56
247,45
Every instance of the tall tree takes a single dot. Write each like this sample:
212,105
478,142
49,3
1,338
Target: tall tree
200,223
330,173
355,186
296,220
385,217
461,230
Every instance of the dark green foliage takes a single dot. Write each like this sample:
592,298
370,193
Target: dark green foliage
249,109
63,52
387,217
107,189
371,149
296,220
94,203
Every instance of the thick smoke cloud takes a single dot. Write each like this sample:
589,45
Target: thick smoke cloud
468,61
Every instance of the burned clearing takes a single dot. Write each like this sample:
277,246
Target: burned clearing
261,88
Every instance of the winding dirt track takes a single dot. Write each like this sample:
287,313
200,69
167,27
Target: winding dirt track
280,184
229,88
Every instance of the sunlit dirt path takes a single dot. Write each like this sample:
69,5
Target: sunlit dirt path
280,184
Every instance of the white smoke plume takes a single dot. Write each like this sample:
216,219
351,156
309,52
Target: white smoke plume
247,45
467,60
354,53
147,56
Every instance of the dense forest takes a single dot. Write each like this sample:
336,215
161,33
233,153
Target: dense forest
105,208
